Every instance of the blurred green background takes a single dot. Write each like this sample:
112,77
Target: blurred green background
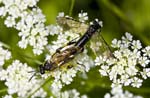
118,16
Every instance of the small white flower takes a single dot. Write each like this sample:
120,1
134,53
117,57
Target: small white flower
8,3
128,95
128,36
31,3
117,90
23,43
125,80
24,34
131,70
56,86
21,5
37,51
10,21
74,93
113,74
32,40
3,75
135,54
22,27
116,43
14,11
38,16
136,44
107,95
66,78
136,82
64,94
118,54
29,21
104,70
144,61
84,96
124,43
145,73
57,75
72,72
146,51
83,16
99,60
2,11
54,29
4,55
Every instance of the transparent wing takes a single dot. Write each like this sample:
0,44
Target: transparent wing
69,23
97,42
100,46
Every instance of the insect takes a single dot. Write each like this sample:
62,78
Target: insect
63,55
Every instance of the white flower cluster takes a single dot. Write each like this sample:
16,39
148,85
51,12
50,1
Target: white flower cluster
26,17
4,55
70,94
17,77
117,92
129,66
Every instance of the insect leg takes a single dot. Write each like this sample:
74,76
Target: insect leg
72,41
81,65
58,50
82,49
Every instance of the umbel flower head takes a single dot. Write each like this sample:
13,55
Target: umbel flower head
28,19
129,66
17,80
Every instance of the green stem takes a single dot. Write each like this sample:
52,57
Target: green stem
3,90
29,58
23,55
138,90
46,81
71,7
5,45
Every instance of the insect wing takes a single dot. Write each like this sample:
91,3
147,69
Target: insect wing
97,43
100,46
68,23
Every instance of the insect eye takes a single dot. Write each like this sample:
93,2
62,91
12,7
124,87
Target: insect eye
42,70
